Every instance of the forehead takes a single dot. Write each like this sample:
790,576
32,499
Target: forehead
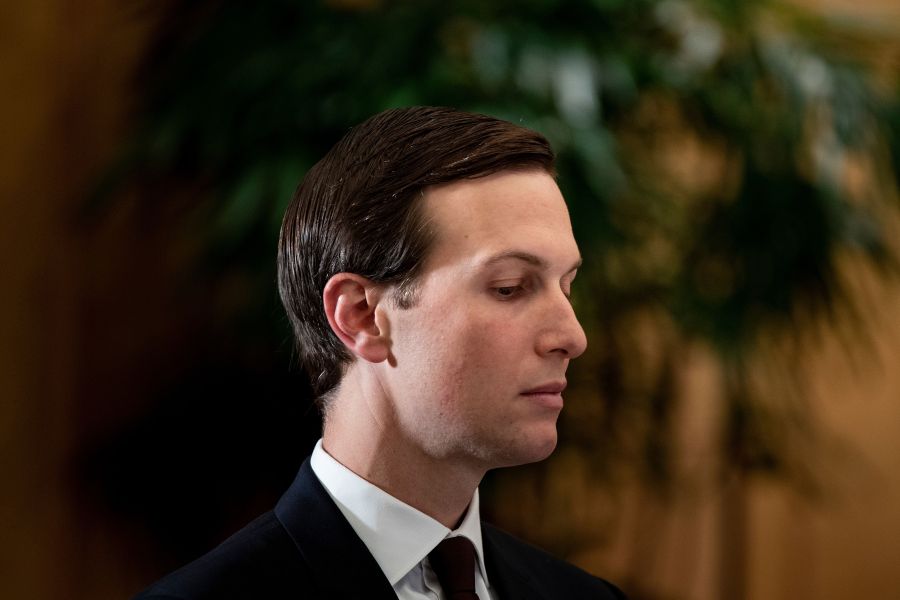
521,211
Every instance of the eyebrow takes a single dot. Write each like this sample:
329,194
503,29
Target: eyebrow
527,257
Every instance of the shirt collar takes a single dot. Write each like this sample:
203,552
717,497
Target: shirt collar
397,535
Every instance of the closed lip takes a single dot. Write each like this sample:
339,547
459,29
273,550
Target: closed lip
551,387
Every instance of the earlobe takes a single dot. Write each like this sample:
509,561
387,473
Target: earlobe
350,302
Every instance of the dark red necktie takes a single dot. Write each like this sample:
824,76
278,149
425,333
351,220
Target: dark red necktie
453,562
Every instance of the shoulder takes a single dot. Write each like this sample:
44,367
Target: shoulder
260,560
554,577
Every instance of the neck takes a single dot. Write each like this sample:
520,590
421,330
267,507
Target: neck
361,433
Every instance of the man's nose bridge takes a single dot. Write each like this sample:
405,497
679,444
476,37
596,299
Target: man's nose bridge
563,327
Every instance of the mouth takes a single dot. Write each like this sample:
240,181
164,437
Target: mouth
551,387
547,394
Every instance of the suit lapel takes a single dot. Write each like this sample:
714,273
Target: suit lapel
340,562
509,580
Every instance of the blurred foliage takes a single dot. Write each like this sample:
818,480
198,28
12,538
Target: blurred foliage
703,148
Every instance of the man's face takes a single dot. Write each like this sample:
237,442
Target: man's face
478,363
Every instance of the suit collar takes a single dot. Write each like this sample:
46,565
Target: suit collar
397,535
341,563
328,543
509,580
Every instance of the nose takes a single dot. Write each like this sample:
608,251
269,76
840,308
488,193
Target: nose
561,333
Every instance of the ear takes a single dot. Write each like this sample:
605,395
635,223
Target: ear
350,301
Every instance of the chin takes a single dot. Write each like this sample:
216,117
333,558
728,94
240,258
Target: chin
545,449
533,446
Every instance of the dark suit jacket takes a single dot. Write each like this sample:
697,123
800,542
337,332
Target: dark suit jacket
306,549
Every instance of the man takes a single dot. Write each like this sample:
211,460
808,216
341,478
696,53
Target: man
426,264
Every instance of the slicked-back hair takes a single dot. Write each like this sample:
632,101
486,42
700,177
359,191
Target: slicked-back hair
359,210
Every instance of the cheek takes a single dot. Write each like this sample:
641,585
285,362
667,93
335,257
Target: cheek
486,353
462,349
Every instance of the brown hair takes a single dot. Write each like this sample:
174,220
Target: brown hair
357,211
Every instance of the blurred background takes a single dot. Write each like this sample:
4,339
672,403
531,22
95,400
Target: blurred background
733,431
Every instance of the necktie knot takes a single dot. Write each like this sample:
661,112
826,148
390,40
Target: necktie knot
453,561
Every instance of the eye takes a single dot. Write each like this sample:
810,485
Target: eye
508,292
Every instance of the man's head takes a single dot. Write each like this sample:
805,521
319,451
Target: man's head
360,210
472,374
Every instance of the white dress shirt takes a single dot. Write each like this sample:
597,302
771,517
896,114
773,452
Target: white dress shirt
397,535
